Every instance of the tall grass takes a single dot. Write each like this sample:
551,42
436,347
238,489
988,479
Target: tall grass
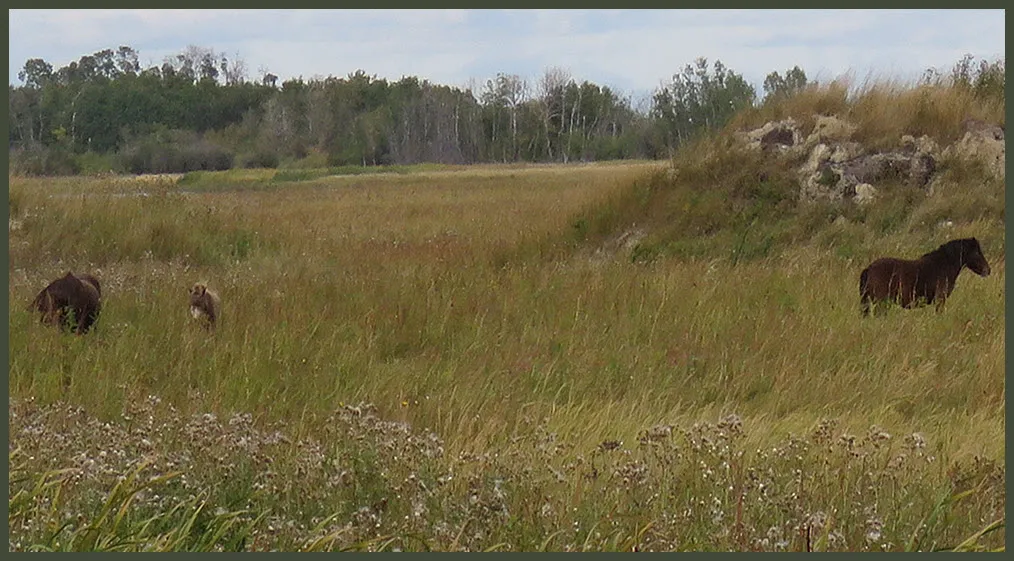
473,359
883,109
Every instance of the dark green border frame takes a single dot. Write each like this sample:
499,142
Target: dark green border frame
472,5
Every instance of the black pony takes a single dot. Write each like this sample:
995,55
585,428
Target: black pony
926,280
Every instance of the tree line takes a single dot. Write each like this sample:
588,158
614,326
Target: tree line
199,110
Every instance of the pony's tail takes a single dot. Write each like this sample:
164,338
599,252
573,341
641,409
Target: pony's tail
37,302
863,296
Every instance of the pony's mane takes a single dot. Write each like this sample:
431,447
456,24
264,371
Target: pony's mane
944,247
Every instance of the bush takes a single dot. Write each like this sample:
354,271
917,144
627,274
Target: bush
94,163
173,151
42,160
315,159
261,158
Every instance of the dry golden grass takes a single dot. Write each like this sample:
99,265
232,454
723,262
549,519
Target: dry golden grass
883,110
398,289
492,306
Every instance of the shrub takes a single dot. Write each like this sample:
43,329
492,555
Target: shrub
94,163
37,159
261,158
173,151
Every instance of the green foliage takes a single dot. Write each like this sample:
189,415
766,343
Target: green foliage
36,73
39,160
313,160
93,163
260,159
987,79
105,102
700,100
173,151
778,87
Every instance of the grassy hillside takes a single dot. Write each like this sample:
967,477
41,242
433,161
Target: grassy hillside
608,357
720,200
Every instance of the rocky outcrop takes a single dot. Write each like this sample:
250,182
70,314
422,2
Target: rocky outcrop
776,135
923,152
836,167
984,143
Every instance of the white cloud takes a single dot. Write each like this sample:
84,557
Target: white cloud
627,49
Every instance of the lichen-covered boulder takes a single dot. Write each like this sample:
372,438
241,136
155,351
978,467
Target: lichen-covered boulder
982,142
865,193
830,129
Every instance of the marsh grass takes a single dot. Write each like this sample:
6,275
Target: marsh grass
606,357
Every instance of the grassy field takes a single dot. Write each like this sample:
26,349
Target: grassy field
495,357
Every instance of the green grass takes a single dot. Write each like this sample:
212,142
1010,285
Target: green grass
287,175
487,358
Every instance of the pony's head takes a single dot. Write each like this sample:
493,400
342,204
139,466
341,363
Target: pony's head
969,254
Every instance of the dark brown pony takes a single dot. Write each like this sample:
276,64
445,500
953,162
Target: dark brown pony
80,295
926,280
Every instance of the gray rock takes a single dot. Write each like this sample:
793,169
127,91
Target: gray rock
828,128
982,142
865,193
835,167
846,151
776,135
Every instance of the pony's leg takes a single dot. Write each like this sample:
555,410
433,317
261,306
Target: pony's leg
943,291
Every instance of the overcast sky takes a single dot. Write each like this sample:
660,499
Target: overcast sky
632,51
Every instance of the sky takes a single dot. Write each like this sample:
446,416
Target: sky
631,51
